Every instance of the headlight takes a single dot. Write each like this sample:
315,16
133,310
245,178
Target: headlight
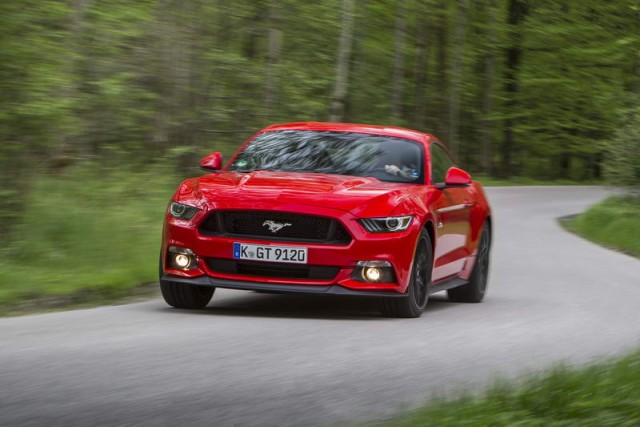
388,224
180,211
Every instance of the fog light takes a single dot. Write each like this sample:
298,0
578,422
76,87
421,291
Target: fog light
182,261
371,274
374,271
182,258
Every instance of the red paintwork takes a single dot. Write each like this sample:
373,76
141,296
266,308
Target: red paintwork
454,216
456,176
212,162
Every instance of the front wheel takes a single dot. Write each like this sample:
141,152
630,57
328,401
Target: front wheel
475,290
180,295
413,304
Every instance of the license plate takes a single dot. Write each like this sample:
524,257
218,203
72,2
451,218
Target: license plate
288,254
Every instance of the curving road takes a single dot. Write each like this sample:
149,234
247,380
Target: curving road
257,359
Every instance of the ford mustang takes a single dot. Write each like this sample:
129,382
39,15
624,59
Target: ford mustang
329,208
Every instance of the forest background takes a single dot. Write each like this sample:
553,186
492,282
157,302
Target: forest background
106,104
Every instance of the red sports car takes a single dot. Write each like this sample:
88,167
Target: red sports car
329,208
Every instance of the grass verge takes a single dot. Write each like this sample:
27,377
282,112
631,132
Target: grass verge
599,395
614,223
85,237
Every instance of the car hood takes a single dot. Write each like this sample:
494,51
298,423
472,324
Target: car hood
346,193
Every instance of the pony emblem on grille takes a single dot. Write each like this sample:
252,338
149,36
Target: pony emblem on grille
274,227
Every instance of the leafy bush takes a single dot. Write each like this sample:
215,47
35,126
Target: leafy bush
622,166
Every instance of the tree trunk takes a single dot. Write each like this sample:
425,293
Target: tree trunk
398,61
164,76
191,69
441,65
254,33
487,95
274,49
635,88
422,38
456,77
215,83
340,91
564,163
636,85
516,14
71,143
358,65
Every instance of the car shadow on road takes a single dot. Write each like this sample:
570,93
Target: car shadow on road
254,304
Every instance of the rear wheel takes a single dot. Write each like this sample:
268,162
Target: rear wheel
413,304
180,295
476,288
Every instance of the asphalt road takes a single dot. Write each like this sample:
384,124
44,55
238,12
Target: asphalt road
271,360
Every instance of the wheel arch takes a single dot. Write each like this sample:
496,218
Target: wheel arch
428,226
488,220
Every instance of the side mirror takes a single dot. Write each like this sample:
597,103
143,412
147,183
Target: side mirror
456,177
212,162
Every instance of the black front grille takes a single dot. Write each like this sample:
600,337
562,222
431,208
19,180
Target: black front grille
275,270
276,226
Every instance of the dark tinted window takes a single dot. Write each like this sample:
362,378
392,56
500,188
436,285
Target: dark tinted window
343,153
440,163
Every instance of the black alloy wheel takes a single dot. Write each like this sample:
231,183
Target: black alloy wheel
475,290
414,303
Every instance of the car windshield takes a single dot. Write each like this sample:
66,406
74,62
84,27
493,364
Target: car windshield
342,153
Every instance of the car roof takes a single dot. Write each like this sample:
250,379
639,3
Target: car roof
392,131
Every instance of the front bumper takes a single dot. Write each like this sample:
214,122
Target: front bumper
396,248
278,288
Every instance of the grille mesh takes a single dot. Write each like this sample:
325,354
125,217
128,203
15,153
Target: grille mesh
281,226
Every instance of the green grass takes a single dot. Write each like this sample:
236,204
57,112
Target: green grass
85,236
614,223
600,395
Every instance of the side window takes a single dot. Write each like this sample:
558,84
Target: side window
440,163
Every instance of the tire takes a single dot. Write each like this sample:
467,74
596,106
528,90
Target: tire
413,304
180,295
475,290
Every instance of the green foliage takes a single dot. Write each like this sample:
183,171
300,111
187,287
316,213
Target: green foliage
599,395
33,73
86,229
79,80
614,222
622,165
572,83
